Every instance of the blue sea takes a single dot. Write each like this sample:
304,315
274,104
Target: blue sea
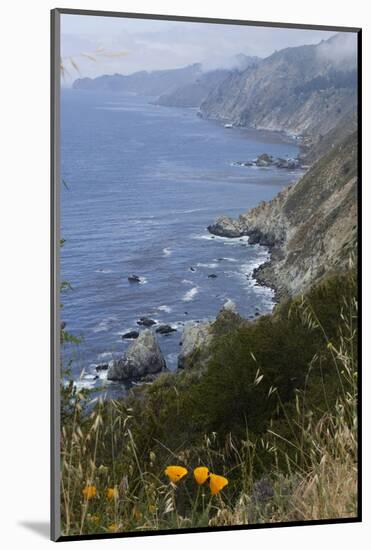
141,184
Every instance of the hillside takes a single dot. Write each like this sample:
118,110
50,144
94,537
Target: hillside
311,227
324,143
152,83
194,93
302,90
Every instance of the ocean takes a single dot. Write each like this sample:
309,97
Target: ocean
141,183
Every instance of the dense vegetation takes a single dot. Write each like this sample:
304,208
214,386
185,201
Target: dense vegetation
274,411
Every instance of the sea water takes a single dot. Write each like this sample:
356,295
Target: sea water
141,183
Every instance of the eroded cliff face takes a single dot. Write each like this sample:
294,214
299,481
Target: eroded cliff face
193,93
298,90
196,91
310,227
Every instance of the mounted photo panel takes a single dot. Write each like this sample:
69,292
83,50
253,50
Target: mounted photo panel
205,275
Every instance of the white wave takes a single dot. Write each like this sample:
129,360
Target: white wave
228,260
188,296
105,324
211,265
146,221
235,241
103,374
187,282
104,271
86,380
189,211
143,280
166,251
247,268
90,376
105,354
124,331
165,308
207,237
83,384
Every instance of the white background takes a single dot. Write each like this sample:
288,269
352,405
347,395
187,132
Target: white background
24,305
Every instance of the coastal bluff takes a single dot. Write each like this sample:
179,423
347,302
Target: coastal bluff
310,227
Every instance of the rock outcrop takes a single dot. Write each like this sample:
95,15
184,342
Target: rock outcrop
226,227
131,335
143,359
165,329
196,340
146,322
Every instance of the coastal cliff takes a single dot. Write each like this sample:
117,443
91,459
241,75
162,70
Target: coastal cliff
310,227
196,92
303,90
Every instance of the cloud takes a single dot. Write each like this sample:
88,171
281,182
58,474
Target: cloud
155,44
340,51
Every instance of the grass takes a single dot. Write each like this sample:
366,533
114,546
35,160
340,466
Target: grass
113,460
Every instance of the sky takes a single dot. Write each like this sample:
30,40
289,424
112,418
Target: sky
92,46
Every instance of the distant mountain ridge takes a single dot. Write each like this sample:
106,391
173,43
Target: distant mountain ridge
187,86
152,83
302,90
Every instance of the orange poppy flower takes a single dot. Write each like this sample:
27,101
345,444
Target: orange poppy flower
175,473
112,493
217,483
89,492
201,474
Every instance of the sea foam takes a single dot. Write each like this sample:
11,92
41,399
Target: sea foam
188,296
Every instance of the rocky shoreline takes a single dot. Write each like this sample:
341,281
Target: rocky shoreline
268,161
305,241
263,274
309,227
144,361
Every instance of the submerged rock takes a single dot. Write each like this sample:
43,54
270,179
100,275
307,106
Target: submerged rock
264,160
101,367
131,335
165,329
146,322
226,227
134,279
143,358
